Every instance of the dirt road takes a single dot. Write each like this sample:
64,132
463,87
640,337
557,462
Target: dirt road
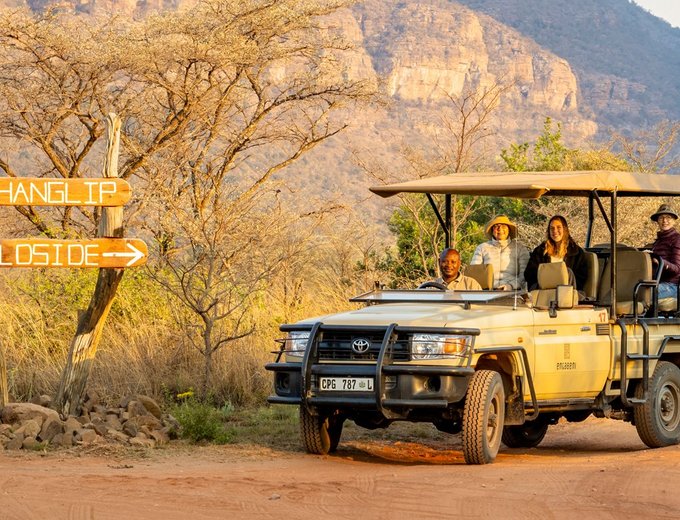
595,469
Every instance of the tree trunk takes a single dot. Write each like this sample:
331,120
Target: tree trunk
90,324
4,392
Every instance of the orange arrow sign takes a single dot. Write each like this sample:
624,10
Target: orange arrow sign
100,252
25,191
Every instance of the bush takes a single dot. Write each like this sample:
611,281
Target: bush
202,422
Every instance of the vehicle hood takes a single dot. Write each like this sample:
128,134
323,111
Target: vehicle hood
429,315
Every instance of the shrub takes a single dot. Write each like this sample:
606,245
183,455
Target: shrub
202,422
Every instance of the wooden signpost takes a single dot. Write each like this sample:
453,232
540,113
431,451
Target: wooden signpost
109,251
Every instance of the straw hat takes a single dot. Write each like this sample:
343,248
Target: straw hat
501,219
664,209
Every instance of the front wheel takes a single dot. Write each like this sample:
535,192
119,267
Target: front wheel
320,433
483,417
528,435
658,419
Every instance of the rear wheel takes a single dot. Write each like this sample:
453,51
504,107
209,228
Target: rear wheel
658,419
528,435
320,433
483,417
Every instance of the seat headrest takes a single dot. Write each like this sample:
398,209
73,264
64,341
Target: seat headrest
553,274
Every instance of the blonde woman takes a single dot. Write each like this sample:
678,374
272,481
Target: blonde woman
558,247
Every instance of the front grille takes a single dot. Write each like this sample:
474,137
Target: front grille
337,345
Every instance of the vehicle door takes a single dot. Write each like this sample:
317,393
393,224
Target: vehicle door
572,352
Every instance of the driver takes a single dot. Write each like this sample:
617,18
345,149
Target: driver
449,265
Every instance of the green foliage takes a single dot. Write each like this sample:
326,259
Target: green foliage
516,159
548,153
202,422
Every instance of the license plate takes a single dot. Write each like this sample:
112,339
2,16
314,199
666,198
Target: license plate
346,384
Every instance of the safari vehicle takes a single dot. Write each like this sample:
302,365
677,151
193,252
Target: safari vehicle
499,366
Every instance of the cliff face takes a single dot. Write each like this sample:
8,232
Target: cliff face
432,51
429,52
627,61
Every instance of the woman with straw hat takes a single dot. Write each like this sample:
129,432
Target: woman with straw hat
504,252
667,246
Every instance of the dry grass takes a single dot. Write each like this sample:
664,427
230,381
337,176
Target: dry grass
142,349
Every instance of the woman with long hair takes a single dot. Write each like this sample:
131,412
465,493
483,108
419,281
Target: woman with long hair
559,246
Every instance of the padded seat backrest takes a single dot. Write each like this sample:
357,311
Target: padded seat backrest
483,273
632,267
553,283
593,280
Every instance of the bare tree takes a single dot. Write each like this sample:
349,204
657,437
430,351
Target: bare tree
216,102
465,123
652,151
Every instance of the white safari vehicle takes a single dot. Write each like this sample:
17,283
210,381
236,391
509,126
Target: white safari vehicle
499,366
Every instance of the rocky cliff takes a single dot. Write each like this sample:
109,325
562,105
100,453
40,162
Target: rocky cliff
432,51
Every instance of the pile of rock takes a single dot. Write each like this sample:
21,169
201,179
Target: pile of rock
136,421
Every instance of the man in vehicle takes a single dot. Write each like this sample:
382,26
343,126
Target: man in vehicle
449,265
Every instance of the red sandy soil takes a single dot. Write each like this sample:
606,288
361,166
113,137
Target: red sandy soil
590,470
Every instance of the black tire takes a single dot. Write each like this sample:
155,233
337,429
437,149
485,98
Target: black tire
527,435
320,434
483,417
658,419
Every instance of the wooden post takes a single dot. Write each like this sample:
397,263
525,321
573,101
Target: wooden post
90,324
4,392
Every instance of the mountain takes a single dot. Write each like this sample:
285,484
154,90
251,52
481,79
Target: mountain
594,66
627,61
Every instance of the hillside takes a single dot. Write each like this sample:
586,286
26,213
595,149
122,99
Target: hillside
627,61
593,66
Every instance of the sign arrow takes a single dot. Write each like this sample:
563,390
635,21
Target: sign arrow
134,254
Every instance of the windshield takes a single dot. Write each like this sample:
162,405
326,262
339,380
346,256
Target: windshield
436,296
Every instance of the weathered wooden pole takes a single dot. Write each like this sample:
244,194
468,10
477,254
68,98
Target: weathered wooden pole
4,392
90,323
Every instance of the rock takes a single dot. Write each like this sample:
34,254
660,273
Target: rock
146,420
71,424
30,443
136,408
20,412
113,422
86,436
29,428
150,405
42,400
50,428
160,437
66,440
117,436
145,443
100,426
15,443
130,428
91,400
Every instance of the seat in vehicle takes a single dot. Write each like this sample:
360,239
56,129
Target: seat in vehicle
483,273
554,288
632,267
593,280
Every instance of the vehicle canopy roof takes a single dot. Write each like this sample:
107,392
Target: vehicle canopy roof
532,185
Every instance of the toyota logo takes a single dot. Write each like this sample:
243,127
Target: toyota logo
361,345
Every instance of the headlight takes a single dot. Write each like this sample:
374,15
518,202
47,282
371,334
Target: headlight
438,346
296,342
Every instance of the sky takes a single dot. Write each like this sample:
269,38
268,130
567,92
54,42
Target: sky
669,10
